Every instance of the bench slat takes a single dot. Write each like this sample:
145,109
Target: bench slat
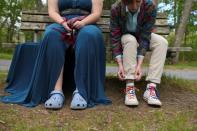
106,13
33,26
36,18
176,49
8,45
162,30
103,20
35,12
47,19
105,28
161,22
25,26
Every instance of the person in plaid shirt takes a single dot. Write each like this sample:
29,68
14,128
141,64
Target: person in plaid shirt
132,24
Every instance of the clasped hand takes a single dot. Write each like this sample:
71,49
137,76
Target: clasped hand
76,25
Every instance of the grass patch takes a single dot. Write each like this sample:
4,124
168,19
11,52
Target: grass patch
111,64
119,119
3,75
174,114
7,56
180,122
189,85
183,65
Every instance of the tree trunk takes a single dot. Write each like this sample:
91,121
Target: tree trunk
8,35
3,23
175,13
182,26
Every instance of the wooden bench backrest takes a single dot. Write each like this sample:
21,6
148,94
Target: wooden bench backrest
36,21
33,20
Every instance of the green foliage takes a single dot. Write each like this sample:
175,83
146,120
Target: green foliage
10,14
171,38
188,56
9,17
30,4
7,56
189,41
2,7
3,75
188,85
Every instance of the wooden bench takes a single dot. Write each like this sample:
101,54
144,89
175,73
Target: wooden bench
37,21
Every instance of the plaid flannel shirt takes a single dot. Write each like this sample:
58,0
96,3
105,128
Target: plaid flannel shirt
145,25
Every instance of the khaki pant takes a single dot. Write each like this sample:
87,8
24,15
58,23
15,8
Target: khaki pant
158,46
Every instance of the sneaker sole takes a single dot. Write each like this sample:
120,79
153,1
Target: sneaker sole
152,104
53,108
77,108
131,104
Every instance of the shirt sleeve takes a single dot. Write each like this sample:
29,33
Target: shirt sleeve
115,32
147,27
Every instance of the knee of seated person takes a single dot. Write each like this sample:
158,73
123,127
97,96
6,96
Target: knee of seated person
50,31
91,31
164,42
129,39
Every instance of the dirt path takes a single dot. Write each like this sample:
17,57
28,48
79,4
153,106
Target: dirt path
179,111
187,74
4,65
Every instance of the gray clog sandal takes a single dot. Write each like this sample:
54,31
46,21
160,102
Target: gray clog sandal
78,102
55,101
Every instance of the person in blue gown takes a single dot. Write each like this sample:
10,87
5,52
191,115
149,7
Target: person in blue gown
40,71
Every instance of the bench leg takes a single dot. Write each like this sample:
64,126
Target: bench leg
35,36
170,56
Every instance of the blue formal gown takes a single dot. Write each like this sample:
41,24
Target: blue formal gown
36,67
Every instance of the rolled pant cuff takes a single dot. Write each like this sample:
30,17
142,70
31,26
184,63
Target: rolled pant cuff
129,77
157,81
